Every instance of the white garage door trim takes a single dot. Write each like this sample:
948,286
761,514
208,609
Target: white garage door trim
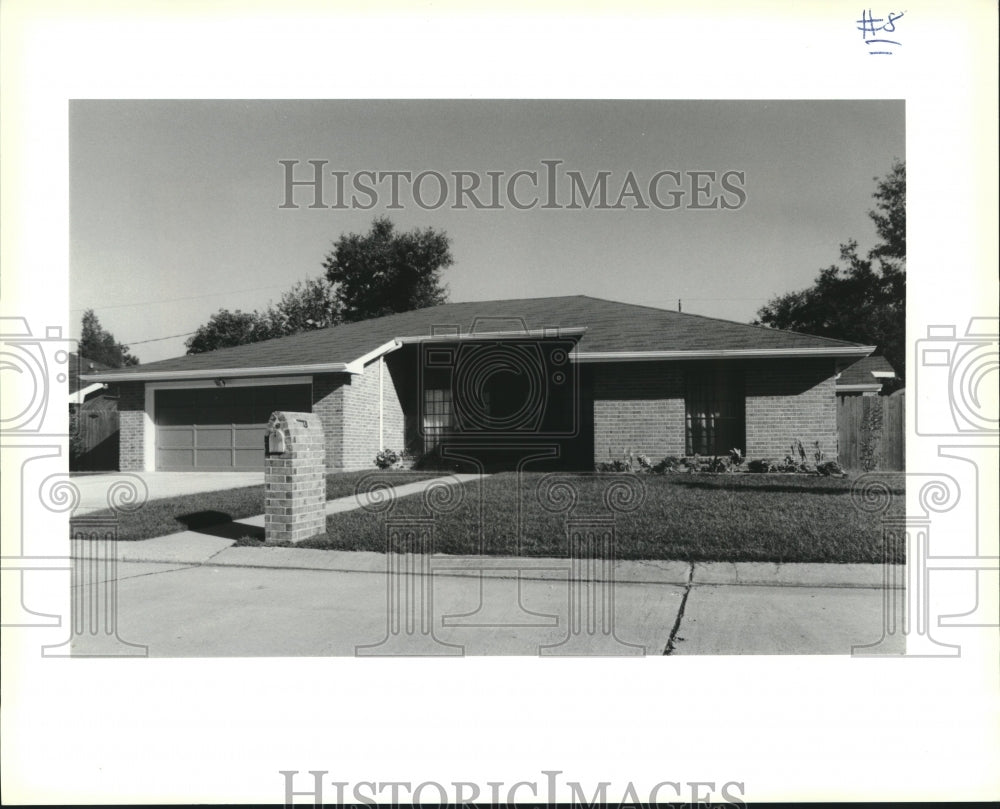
149,433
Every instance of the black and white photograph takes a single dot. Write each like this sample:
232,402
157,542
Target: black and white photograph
581,377
499,405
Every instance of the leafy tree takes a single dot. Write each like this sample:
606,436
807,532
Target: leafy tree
309,304
384,271
865,299
376,274
225,329
100,345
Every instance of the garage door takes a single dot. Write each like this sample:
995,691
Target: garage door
218,429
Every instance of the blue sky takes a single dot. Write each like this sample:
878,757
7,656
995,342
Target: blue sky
175,204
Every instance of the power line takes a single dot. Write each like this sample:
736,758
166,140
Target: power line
130,343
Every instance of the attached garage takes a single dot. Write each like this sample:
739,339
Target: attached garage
219,428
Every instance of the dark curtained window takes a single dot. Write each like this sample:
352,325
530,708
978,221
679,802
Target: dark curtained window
715,406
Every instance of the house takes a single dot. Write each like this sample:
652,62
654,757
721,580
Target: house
82,392
574,379
865,377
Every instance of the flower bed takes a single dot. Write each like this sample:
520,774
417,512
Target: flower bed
797,462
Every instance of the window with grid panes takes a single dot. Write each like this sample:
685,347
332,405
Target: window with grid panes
715,407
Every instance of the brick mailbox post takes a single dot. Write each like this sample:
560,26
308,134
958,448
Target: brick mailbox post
294,477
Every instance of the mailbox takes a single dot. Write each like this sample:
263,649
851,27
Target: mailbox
274,442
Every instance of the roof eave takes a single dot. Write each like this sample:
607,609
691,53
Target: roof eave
858,388
79,396
724,353
356,366
222,373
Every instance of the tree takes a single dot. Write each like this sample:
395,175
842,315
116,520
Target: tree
100,346
225,329
366,276
865,300
309,304
384,271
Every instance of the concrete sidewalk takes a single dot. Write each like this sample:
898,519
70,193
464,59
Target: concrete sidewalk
218,601
193,548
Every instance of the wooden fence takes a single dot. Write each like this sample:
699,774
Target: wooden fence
97,441
870,432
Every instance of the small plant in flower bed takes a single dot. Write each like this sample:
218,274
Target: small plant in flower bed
668,465
387,459
617,465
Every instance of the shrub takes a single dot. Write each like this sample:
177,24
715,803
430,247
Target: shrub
830,469
617,465
762,465
718,464
669,464
387,459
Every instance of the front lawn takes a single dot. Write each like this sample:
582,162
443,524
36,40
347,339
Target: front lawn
193,511
736,518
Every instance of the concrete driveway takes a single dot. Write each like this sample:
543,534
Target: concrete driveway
96,489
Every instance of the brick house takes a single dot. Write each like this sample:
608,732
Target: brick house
572,380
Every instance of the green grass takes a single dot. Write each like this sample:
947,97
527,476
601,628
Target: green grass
737,518
195,511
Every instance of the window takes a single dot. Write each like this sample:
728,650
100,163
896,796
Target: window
715,407
437,416
440,420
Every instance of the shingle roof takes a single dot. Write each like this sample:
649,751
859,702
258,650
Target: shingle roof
860,373
611,327
81,365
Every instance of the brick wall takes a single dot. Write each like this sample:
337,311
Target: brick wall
790,400
132,426
328,403
349,408
638,406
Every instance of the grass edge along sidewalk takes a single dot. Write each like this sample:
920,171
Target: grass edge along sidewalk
696,518
191,512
